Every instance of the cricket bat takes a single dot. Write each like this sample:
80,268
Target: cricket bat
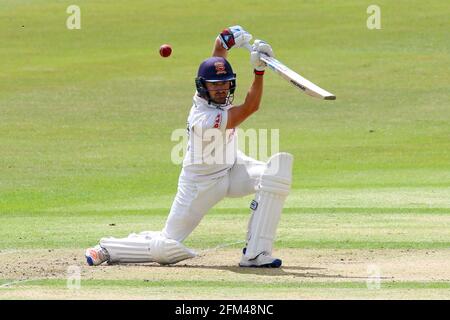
294,78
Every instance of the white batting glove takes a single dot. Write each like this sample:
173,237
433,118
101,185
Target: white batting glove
234,36
259,46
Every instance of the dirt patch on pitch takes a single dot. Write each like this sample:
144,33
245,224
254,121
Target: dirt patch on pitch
22,265
299,265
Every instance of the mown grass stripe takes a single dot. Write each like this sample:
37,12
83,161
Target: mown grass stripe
349,244
239,284
364,210
235,211
280,244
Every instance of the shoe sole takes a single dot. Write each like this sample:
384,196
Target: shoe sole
89,261
274,264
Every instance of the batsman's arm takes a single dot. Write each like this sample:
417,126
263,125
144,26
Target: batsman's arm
219,50
237,114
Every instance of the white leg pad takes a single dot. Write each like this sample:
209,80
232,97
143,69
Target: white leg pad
269,200
146,247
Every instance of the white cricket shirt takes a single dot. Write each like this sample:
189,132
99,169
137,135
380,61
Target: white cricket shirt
212,149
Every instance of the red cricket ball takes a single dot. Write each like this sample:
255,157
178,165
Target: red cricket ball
165,50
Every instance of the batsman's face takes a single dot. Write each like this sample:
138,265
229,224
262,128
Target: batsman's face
218,91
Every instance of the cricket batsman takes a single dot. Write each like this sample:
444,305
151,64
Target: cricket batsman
214,168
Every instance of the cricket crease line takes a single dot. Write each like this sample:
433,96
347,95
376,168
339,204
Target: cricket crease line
9,284
220,246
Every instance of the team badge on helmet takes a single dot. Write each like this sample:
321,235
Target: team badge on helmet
220,68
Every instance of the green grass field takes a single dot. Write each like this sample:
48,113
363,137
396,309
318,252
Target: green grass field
86,118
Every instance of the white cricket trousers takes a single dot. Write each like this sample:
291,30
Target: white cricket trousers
194,199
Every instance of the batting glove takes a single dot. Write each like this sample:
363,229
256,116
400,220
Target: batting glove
234,36
259,47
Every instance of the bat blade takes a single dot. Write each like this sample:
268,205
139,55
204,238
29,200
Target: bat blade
294,78
297,80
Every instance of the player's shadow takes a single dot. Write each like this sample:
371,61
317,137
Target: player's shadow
303,272
293,271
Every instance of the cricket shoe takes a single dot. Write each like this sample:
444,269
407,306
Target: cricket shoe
263,260
96,256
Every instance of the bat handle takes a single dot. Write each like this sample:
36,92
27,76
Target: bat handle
248,46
